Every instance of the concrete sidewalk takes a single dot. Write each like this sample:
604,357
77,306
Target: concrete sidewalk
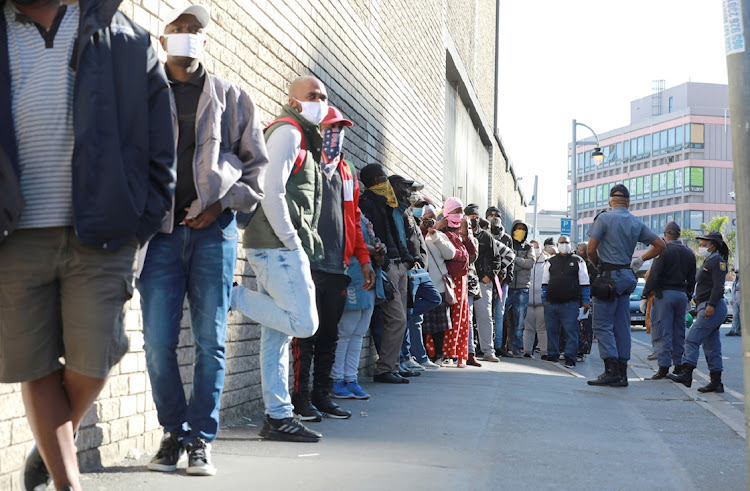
517,424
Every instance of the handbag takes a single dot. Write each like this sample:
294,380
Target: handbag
450,287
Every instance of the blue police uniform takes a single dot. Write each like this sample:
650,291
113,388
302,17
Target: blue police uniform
672,280
617,232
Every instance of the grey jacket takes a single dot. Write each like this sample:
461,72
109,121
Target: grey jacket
523,261
535,281
230,152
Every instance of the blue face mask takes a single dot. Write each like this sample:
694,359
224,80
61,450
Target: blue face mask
417,212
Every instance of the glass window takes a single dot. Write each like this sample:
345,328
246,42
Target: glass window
655,147
696,135
647,141
670,139
639,188
678,181
579,159
634,148
626,151
695,179
655,185
641,148
619,151
678,137
671,103
587,161
599,195
662,183
646,186
670,182
696,218
631,187
663,142
687,135
662,221
580,198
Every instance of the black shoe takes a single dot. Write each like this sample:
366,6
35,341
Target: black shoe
288,430
330,409
170,451
503,352
553,358
408,373
200,462
569,363
543,357
685,377
527,355
662,373
305,409
389,378
610,376
35,473
677,369
714,385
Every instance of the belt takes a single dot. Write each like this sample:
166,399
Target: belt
613,267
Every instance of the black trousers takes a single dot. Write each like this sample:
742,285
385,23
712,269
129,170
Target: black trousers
330,298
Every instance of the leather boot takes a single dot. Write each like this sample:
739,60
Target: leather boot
622,371
611,373
677,369
685,377
714,385
662,373
472,360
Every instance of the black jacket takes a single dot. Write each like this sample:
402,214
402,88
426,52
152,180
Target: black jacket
674,269
124,156
489,261
710,279
375,207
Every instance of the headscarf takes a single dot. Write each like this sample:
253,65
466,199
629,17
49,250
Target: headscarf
385,190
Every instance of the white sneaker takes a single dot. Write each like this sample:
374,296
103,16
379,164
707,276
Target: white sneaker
428,365
448,362
413,365
490,357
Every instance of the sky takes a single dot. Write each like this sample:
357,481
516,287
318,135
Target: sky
586,60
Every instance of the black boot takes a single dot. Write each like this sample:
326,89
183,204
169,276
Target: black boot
685,377
714,385
622,370
677,369
662,373
611,373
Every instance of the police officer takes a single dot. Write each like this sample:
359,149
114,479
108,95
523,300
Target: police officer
672,280
712,310
565,286
613,237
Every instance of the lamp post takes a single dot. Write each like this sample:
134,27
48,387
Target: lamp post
598,156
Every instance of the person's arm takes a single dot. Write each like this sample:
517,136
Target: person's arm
718,276
593,246
162,165
657,246
525,262
657,269
283,147
585,282
443,244
545,282
248,155
690,287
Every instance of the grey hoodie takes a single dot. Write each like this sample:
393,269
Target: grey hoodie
524,260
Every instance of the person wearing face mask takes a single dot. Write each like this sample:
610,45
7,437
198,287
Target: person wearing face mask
712,310
195,250
89,162
534,326
586,334
612,240
518,293
671,279
565,288
377,203
506,277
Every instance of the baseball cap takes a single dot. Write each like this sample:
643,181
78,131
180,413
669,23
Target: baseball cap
417,185
619,191
672,229
400,180
335,116
199,11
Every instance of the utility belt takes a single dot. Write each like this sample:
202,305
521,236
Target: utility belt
603,287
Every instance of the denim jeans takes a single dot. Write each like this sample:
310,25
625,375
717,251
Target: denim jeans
499,314
483,311
612,318
426,298
705,332
284,306
561,317
668,327
199,262
472,348
519,300
736,326
352,327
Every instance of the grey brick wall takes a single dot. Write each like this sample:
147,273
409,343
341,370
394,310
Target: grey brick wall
384,65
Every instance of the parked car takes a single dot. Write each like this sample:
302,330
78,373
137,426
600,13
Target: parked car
636,316
728,299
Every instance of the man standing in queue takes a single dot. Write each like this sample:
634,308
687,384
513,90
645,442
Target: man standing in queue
613,237
672,280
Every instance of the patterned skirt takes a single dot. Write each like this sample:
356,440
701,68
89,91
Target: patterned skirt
456,343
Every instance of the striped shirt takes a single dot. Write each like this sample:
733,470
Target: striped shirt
42,107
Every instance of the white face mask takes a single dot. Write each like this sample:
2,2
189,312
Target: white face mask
189,45
564,248
550,249
703,252
313,111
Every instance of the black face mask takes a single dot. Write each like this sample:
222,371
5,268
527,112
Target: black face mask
474,224
496,230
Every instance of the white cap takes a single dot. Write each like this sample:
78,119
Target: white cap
200,12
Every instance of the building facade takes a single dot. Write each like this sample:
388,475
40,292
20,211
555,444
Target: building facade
675,157
418,79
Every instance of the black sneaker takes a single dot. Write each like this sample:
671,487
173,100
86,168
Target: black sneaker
200,462
306,411
330,409
288,430
35,473
503,352
569,363
170,451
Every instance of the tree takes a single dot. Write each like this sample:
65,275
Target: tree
717,224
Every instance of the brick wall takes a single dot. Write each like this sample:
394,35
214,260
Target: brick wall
383,63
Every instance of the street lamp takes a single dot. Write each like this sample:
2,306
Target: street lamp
598,156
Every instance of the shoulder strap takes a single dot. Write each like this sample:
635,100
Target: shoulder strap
300,161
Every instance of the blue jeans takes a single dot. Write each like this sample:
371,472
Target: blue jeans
736,326
499,314
201,264
668,327
284,306
611,322
705,332
557,317
519,300
426,298
352,327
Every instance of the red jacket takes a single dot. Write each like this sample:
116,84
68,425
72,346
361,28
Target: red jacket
354,241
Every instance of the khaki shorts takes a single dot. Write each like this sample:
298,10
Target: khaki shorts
61,299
